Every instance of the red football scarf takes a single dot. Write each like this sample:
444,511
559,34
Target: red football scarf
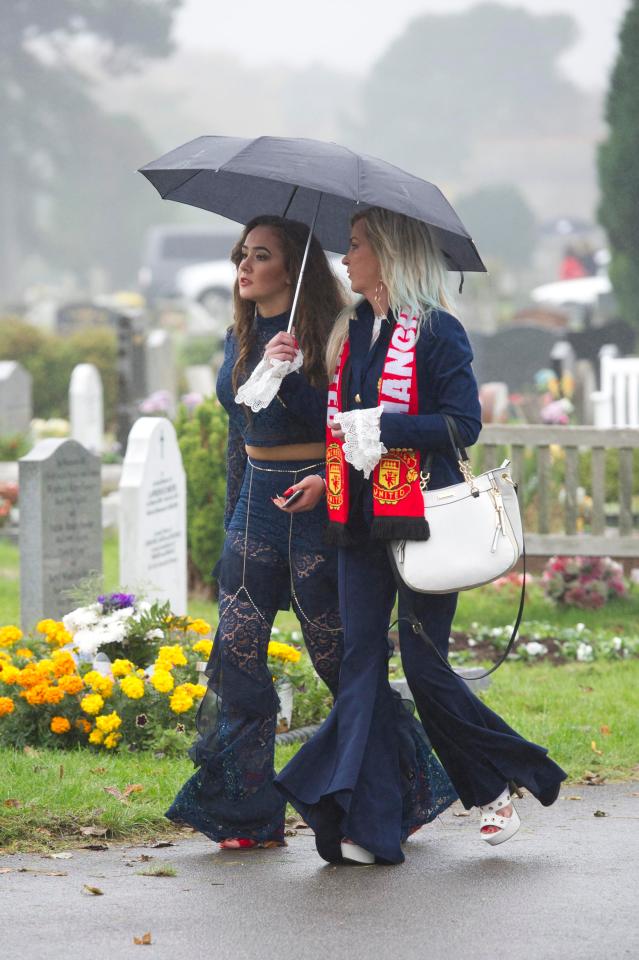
398,504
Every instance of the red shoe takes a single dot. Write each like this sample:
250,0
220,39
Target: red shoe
244,843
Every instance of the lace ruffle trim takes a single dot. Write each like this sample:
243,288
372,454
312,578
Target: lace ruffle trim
362,445
262,386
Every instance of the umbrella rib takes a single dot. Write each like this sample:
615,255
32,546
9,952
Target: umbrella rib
179,187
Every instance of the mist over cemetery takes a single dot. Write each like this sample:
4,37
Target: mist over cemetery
113,443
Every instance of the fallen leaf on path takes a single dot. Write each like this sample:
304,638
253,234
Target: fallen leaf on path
60,856
12,802
162,843
43,873
593,747
158,871
144,940
593,779
93,831
574,798
6,869
600,813
95,846
94,891
605,729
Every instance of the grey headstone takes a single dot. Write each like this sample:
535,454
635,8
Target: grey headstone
200,379
161,373
513,355
15,398
585,386
60,526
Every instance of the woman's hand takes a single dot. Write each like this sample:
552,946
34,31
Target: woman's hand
283,346
314,490
338,433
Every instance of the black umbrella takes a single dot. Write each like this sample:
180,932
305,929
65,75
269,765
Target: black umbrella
321,184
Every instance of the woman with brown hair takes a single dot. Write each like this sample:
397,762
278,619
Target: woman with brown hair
270,558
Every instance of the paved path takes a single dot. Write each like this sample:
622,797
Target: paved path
565,887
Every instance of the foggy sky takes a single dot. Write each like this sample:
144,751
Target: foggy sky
351,34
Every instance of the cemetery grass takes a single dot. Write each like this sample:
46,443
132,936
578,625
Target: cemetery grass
581,712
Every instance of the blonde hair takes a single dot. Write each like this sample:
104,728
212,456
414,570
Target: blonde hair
412,269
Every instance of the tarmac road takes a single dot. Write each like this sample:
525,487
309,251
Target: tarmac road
567,886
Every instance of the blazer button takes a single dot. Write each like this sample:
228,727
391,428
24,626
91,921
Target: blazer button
358,399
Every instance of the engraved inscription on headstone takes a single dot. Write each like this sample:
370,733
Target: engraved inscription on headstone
15,398
153,514
60,526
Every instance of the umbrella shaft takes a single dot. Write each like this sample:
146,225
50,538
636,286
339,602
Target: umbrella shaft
302,268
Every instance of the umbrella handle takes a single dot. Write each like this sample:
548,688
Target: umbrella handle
304,258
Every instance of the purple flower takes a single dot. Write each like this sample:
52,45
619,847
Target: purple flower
116,601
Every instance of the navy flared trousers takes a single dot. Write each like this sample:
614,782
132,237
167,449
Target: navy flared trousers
345,780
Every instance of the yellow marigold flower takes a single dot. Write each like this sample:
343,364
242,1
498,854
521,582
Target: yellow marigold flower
99,683
46,626
45,667
162,680
192,689
5,657
108,722
122,668
63,663
180,702
60,725
36,695
96,737
111,740
92,703
10,635
204,647
71,685
83,725
6,706
200,626
9,673
59,636
24,652
53,695
283,651
132,687
173,655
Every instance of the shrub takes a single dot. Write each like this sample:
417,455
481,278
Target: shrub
202,435
586,582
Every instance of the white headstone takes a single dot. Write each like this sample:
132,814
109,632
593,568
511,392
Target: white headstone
153,514
161,373
60,526
86,407
15,398
200,379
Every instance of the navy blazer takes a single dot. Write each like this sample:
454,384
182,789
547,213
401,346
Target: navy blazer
445,383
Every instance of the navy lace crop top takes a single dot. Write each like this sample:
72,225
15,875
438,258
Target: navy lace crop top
296,415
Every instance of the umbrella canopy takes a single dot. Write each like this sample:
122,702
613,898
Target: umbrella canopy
321,184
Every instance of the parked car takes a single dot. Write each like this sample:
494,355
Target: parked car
211,284
168,249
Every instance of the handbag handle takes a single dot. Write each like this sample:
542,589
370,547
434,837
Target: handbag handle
418,628
460,454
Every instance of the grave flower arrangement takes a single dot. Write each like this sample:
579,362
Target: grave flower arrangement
586,582
116,673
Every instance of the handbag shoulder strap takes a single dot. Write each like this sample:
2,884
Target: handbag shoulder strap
455,441
418,628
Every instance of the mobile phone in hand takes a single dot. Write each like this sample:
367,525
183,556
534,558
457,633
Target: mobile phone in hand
293,498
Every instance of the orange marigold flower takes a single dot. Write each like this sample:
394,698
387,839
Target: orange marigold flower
71,685
64,664
54,695
60,725
36,695
6,706
83,725
24,652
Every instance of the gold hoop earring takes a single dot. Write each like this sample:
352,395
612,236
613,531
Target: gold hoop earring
379,289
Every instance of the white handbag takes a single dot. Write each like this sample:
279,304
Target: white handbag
476,536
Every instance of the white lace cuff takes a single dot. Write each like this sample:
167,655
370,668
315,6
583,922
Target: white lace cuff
362,445
263,384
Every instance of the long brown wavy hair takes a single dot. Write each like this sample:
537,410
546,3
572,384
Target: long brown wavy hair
321,298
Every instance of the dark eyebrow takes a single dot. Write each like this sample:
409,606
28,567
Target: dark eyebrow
244,247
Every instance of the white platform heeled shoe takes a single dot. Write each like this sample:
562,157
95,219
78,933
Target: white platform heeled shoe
353,853
507,827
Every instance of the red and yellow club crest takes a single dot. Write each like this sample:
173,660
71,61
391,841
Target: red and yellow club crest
394,477
334,485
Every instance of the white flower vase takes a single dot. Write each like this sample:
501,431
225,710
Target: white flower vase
284,689
102,664
200,676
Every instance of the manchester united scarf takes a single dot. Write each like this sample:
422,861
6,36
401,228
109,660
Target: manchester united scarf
398,504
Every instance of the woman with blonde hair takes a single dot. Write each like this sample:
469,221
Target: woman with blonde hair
398,363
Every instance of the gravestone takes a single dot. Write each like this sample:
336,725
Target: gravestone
513,355
153,514
86,407
585,386
160,366
60,526
15,398
199,379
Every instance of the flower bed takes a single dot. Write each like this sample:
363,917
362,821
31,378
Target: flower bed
116,673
